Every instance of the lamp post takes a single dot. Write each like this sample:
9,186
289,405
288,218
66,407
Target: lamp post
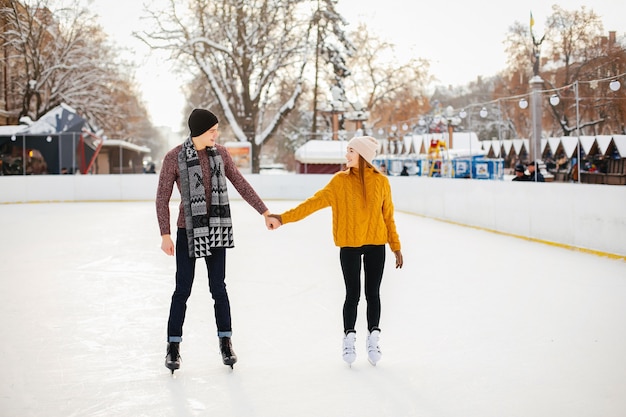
463,114
536,84
393,139
577,127
483,113
359,115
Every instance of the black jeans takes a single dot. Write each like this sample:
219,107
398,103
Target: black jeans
373,265
185,271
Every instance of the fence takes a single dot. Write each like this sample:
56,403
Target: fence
586,216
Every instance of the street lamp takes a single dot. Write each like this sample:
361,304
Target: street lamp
463,114
393,139
451,121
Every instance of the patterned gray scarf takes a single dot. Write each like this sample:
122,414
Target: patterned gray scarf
206,228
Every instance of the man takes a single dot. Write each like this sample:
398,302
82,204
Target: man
520,174
535,175
200,167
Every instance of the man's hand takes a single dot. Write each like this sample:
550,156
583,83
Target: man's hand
167,245
271,221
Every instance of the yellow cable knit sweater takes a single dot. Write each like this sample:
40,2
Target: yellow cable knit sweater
354,223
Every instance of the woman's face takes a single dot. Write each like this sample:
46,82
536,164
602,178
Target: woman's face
353,158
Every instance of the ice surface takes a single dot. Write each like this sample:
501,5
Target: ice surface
475,324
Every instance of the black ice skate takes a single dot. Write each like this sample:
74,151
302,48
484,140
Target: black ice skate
172,358
226,348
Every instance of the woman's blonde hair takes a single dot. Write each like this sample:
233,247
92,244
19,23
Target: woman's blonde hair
363,164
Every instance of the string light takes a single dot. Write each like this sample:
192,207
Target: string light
614,85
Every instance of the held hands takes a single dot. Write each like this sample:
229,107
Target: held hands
399,260
272,221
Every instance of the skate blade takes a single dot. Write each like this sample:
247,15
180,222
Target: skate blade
172,367
372,362
230,362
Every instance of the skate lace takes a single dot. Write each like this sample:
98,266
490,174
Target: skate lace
348,347
372,344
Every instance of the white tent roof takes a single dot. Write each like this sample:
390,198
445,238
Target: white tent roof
465,140
554,144
11,129
507,144
620,144
569,145
603,142
587,143
518,143
322,152
497,145
333,152
115,143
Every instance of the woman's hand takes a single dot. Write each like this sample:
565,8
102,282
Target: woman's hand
272,221
399,260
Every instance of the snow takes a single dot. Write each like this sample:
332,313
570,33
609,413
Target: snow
475,324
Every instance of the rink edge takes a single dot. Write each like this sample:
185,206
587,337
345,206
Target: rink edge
485,229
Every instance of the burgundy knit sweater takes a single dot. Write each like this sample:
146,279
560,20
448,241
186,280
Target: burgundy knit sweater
170,175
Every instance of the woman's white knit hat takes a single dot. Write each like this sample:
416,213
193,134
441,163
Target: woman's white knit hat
366,146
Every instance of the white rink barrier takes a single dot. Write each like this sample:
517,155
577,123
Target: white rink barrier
590,217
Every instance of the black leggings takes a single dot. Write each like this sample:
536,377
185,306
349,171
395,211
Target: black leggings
373,264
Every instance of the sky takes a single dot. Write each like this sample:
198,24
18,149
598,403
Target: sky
461,40
475,323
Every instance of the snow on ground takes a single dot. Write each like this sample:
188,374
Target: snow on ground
475,324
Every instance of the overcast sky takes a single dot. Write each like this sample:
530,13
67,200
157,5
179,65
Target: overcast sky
461,40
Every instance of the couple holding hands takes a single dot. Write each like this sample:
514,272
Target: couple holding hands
363,223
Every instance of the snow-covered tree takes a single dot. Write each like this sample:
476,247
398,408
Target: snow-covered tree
332,48
576,50
391,89
252,54
55,54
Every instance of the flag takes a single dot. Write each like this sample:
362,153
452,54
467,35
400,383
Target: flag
532,21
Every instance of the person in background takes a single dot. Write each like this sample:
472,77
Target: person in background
199,167
534,174
520,173
363,223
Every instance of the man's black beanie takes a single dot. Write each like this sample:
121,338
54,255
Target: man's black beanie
200,121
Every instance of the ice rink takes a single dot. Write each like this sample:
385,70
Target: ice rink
476,324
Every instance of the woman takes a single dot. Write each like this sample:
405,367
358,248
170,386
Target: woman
363,223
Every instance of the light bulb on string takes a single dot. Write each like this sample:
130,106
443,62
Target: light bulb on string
523,104
554,99
614,85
